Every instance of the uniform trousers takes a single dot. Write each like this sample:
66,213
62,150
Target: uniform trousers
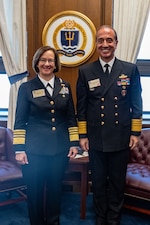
108,170
43,177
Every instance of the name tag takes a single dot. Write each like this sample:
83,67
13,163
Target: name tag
94,83
38,93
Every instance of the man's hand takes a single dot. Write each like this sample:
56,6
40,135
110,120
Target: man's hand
21,158
133,141
84,144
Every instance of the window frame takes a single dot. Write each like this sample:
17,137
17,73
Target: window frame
144,70
3,111
143,67
2,68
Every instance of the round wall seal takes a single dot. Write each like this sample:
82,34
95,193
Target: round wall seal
73,35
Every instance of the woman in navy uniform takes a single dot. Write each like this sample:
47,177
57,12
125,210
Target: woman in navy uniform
109,108
45,136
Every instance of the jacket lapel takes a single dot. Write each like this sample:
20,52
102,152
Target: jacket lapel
58,83
97,69
115,72
40,85
57,87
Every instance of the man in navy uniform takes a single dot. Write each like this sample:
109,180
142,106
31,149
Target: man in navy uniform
109,109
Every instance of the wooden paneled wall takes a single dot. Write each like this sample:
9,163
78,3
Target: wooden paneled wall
40,11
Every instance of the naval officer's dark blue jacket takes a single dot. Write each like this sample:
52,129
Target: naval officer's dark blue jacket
109,111
45,124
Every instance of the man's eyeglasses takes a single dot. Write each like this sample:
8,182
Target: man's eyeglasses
47,60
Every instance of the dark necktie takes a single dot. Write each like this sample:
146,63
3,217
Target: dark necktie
107,70
50,89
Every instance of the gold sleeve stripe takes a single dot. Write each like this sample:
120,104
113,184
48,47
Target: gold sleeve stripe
19,137
73,134
136,125
82,125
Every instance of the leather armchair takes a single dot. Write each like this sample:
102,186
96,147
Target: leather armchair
138,172
10,172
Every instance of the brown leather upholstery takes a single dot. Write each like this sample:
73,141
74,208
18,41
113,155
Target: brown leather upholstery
138,170
10,172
